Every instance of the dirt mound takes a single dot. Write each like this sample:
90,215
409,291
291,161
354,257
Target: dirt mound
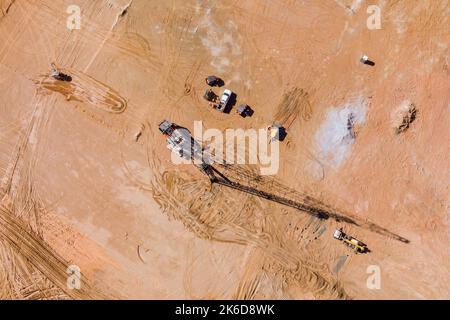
403,116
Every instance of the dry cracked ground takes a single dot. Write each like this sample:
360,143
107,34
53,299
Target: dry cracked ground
87,180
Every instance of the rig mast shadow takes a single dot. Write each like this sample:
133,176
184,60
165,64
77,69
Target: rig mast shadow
217,177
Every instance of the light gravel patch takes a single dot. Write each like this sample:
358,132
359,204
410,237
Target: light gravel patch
335,137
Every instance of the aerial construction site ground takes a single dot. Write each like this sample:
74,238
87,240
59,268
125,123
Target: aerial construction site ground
88,184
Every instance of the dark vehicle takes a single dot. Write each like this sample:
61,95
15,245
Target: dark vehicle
58,75
244,111
61,76
210,96
214,81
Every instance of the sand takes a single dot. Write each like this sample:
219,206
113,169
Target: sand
87,180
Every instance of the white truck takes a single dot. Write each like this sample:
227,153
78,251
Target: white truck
224,100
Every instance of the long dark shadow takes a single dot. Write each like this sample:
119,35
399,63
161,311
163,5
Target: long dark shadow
309,205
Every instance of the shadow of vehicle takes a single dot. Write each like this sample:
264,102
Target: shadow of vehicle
278,133
369,63
282,134
230,104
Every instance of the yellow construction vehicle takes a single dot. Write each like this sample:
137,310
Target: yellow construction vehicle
353,243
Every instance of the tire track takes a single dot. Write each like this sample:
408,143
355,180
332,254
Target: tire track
41,256
84,88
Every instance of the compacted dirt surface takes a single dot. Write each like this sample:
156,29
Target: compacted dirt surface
87,180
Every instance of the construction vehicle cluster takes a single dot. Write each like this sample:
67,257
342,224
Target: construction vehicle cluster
223,103
180,141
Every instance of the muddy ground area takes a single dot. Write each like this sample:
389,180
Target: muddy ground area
87,180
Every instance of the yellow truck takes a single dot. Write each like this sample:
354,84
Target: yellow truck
356,245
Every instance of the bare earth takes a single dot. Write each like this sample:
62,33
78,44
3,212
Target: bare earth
78,189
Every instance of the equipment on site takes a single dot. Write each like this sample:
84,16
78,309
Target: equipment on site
180,141
57,75
219,104
183,144
213,81
365,60
353,243
224,100
210,96
277,132
244,110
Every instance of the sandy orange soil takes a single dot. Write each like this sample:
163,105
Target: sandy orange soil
87,180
